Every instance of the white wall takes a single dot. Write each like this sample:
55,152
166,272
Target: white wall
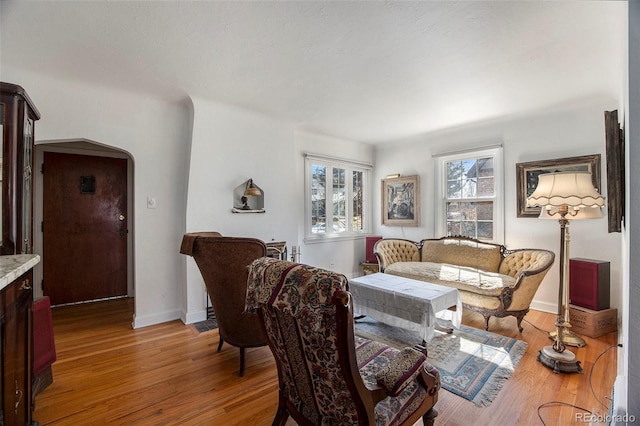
154,133
229,146
566,131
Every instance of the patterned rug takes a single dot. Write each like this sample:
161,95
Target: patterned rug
473,363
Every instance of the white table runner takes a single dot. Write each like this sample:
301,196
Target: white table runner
407,303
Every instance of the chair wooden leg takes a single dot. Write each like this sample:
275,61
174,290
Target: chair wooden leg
241,362
281,415
429,417
486,322
220,344
520,318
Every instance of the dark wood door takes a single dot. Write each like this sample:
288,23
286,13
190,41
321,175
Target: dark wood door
84,227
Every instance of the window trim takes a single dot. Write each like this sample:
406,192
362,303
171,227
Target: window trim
350,165
441,187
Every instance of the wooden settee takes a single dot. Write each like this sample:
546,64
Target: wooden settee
491,279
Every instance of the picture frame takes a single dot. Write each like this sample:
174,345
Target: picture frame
527,177
614,148
401,201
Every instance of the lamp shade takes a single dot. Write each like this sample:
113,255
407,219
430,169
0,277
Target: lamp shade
570,189
251,190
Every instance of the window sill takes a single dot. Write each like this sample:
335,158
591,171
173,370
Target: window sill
327,238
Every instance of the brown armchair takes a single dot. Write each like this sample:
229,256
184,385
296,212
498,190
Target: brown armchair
326,374
223,263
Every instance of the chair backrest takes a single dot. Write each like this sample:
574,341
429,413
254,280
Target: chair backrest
306,313
224,265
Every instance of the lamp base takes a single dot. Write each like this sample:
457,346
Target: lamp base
560,362
569,338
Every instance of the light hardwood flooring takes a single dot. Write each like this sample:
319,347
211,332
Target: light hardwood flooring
170,374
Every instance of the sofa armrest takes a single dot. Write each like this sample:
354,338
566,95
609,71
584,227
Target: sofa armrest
526,261
392,250
529,267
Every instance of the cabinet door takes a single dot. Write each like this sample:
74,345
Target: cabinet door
18,352
26,193
3,310
16,163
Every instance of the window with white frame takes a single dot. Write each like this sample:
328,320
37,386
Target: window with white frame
336,194
470,187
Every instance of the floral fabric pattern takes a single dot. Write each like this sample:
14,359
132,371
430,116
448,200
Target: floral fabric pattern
299,313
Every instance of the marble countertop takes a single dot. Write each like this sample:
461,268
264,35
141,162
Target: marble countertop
11,267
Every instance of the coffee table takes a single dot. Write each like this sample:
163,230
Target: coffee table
407,303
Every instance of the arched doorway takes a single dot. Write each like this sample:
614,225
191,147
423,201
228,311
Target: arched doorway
86,246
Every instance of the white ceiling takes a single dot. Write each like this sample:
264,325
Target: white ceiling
361,70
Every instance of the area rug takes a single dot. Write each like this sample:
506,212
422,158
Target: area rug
473,363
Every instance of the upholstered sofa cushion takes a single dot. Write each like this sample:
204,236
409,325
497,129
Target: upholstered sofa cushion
463,278
461,252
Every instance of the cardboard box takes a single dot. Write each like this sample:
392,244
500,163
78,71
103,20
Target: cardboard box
593,323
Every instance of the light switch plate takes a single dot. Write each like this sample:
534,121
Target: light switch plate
151,202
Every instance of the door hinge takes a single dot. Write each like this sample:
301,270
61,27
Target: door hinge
42,168
42,226
42,285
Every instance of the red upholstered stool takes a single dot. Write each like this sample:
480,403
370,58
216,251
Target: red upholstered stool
44,348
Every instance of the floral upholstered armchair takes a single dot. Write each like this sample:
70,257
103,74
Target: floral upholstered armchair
326,374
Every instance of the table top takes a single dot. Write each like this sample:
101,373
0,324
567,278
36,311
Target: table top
405,302
394,284
12,266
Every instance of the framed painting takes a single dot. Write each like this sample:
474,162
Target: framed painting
614,144
401,201
527,177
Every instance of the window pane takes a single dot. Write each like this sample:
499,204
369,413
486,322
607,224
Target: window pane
454,179
453,228
485,230
468,229
339,200
318,201
357,208
469,179
453,212
485,187
485,210
485,167
468,211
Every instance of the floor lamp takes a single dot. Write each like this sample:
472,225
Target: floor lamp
565,196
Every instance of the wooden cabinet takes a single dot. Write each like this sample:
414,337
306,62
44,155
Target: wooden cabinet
18,115
16,325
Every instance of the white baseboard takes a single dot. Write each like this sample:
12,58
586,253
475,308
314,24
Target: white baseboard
551,308
158,318
192,317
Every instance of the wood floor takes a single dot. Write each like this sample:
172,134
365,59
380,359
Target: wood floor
169,374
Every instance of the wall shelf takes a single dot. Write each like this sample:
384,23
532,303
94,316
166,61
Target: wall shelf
235,210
